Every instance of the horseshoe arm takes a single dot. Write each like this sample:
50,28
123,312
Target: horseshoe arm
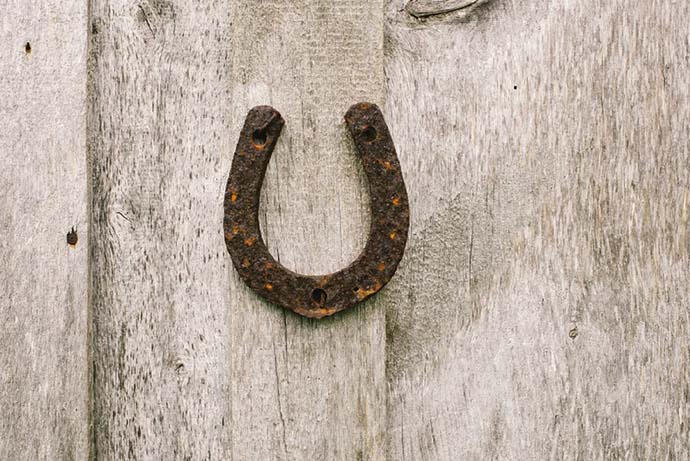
317,296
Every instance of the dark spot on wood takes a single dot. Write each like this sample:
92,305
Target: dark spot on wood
515,87
27,48
573,333
72,237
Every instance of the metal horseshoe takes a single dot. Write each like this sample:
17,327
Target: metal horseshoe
321,295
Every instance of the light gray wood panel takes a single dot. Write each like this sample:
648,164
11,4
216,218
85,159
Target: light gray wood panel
305,389
542,309
43,195
159,138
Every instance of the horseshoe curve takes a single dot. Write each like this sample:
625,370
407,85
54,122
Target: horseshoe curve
321,295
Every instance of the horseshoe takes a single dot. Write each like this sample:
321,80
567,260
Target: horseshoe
321,295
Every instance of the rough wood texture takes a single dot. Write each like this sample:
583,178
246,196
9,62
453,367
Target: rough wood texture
542,309
43,279
159,138
305,389
187,362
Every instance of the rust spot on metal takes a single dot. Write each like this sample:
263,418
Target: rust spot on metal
322,295
363,293
387,165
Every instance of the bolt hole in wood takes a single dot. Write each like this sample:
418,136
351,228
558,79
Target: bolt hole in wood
319,296
27,48
259,138
72,237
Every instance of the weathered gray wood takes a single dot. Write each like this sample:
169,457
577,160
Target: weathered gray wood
187,362
542,309
160,147
43,279
305,389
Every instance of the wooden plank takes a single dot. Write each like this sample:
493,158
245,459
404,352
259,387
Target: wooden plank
43,195
160,145
542,309
305,389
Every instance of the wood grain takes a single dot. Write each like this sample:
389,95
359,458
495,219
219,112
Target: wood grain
542,309
187,362
43,195
305,389
159,138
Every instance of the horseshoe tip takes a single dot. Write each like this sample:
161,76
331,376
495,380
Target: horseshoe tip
264,115
361,108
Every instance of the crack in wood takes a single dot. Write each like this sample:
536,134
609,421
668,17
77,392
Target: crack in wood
426,8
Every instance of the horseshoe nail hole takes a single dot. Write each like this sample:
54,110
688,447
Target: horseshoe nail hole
368,133
27,48
259,138
319,296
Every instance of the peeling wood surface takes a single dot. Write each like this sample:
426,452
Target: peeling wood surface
541,311
308,389
43,279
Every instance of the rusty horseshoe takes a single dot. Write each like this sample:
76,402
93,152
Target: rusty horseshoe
321,295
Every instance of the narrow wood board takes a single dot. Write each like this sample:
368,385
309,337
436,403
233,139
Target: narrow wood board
542,309
159,133
305,389
43,196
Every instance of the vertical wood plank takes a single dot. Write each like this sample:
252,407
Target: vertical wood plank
43,195
160,276
542,309
305,389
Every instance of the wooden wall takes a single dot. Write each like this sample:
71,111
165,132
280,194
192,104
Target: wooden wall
541,310
44,312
